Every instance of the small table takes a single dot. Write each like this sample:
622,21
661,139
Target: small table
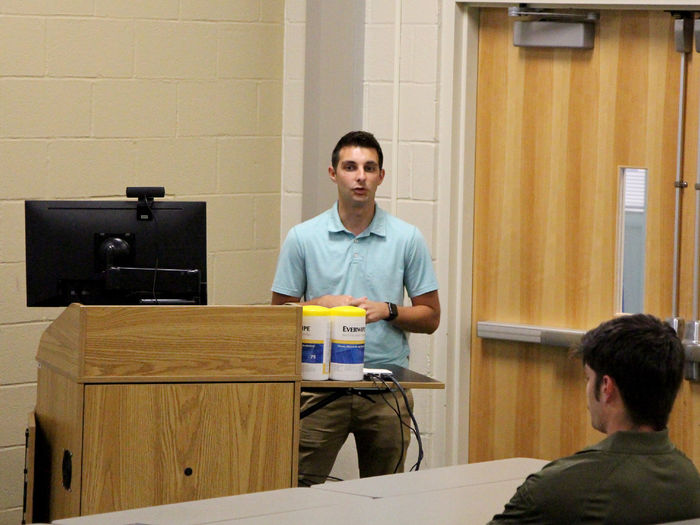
337,389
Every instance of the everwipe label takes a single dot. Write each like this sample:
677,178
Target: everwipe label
347,343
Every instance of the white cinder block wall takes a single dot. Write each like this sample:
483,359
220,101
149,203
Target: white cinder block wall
97,95
400,106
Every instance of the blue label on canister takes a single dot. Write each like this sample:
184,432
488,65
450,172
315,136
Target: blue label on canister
347,353
312,352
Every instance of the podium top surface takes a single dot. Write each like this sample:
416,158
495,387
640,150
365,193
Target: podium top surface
174,343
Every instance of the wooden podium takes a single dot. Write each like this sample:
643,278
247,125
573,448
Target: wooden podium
148,405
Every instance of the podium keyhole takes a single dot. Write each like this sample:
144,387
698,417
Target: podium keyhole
188,471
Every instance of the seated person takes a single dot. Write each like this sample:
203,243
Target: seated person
633,367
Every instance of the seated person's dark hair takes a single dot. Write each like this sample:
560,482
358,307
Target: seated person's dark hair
645,358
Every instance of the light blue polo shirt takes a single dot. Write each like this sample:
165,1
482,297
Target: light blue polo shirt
320,257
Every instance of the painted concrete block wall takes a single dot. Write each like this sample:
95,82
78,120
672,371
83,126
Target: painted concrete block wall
97,95
293,115
401,108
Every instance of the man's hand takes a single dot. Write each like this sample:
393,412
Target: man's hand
376,310
331,301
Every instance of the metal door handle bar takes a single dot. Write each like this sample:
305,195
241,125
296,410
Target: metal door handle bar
543,335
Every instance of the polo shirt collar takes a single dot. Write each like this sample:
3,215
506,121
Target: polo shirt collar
376,227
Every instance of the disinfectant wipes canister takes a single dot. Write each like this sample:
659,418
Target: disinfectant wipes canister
347,343
315,343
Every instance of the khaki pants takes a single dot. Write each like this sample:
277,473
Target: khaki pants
375,426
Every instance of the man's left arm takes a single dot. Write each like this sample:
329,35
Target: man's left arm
423,316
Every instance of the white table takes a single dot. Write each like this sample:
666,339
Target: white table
465,505
217,510
463,494
438,478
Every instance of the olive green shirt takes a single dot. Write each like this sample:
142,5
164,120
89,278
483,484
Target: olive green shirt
629,477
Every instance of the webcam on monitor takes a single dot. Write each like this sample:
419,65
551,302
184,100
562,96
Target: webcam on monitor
145,196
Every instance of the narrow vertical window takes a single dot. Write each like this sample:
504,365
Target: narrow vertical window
631,245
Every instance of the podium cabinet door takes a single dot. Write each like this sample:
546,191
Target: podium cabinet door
153,444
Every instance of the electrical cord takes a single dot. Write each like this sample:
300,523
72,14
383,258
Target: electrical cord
307,483
149,205
414,428
397,411
379,382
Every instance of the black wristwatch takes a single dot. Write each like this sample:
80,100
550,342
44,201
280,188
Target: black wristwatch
393,312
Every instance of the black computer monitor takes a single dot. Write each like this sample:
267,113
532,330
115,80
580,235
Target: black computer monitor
116,252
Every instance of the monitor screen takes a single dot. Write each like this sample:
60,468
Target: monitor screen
114,253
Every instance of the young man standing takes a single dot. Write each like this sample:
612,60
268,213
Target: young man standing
633,367
356,254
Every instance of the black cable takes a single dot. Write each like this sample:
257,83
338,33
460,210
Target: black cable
397,411
415,429
149,205
307,483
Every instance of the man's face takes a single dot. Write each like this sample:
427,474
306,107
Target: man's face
593,398
357,175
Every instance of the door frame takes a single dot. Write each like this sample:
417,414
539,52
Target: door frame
457,139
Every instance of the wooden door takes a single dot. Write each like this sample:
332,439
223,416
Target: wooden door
553,129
